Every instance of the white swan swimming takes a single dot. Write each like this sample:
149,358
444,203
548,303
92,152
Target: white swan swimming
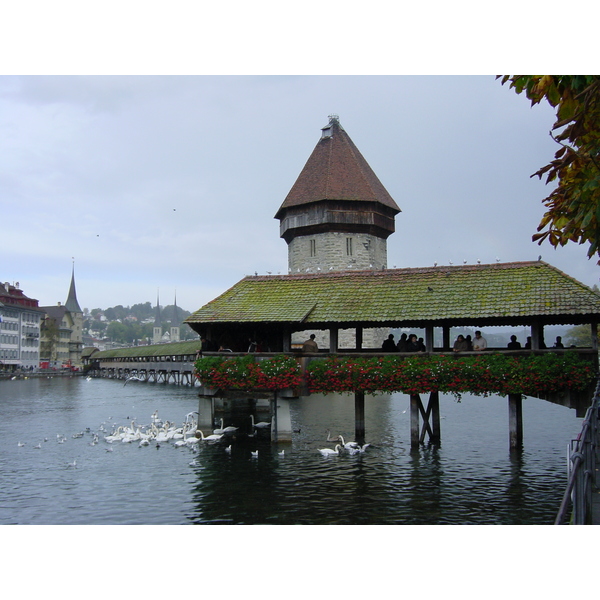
260,424
330,439
329,451
210,438
254,453
349,445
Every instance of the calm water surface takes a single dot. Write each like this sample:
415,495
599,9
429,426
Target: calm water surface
471,479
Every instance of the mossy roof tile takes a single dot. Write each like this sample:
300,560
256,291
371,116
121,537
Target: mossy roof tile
470,293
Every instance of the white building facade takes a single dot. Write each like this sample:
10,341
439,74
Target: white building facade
20,320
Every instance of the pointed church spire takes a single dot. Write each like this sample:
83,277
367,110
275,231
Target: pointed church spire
175,329
157,321
176,321
71,304
157,329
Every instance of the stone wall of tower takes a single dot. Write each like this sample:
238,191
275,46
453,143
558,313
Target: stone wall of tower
336,251
332,251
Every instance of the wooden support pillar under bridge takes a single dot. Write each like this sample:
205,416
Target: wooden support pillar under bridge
417,435
431,420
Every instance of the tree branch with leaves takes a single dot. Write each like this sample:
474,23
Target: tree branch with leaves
573,207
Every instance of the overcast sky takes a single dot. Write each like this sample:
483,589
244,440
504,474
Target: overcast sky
169,184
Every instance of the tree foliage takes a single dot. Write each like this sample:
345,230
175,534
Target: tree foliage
573,207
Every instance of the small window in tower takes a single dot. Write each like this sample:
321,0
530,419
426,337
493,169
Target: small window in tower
349,246
313,248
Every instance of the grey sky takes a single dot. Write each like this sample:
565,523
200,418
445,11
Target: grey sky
171,183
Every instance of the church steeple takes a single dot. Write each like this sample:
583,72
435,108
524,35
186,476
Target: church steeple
71,304
157,329
175,330
338,214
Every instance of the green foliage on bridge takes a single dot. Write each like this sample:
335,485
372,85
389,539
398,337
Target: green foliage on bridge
484,374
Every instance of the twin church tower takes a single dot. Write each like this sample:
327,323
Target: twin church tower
338,215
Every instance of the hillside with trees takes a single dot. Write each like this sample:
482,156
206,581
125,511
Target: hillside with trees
133,325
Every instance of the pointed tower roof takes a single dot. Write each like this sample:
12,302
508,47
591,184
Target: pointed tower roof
336,170
157,320
71,304
176,320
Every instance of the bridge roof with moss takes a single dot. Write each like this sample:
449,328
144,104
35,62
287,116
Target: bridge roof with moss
515,293
156,350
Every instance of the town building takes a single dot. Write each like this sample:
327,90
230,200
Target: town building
62,333
20,320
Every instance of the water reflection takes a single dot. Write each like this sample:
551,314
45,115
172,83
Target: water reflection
471,478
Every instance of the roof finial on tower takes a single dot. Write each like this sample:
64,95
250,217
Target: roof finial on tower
334,119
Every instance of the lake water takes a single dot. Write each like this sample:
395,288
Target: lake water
472,478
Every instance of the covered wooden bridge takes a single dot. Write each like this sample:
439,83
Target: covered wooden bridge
270,309
520,294
159,363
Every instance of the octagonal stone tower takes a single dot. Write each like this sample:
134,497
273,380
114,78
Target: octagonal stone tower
338,215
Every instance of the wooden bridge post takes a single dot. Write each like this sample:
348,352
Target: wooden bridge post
434,404
515,420
274,427
415,401
333,340
417,435
446,338
359,338
359,417
429,338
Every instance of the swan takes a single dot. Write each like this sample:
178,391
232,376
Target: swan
282,453
260,424
329,451
144,442
254,453
219,430
330,439
73,464
349,445
189,415
228,449
210,438
21,444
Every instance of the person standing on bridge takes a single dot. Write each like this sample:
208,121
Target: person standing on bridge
389,345
479,343
310,345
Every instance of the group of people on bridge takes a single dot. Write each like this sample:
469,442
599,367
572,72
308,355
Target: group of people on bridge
406,343
410,343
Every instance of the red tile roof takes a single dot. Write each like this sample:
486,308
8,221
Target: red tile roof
336,170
